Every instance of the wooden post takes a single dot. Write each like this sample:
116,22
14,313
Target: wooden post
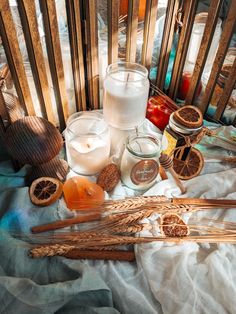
189,9
29,23
148,33
220,56
167,41
113,29
91,25
229,86
48,9
14,58
132,28
203,49
76,48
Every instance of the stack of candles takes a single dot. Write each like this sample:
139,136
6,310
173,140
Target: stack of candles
126,88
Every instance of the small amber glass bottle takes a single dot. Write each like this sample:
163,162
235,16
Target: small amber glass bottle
175,136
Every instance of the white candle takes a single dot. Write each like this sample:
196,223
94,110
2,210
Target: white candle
139,164
87,143
126,89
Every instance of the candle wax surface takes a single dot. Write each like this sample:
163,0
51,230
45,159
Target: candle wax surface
80,193
125,102
88,152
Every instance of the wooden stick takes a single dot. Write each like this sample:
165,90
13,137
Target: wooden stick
128,256
65,223
202,201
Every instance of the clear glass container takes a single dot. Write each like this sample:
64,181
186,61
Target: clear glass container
174,136
126,88
139,163
87,139
195,41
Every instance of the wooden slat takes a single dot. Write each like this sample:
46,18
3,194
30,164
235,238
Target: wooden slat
229,86
29,23
220,56
76,48
113,29
92,53
189,9
167,40
14,58
204,49
132,28
149,31
3,109
48,9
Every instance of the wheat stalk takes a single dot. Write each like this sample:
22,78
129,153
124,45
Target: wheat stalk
136,202
51,250
61,249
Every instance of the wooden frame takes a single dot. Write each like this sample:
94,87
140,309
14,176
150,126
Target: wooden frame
148,33
220,56
167,41
83,35
29,23
75,36
132,28
204,49
189,10
113,29
91,39
48,9
14,58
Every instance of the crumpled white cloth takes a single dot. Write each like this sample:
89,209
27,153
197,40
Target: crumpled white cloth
191,277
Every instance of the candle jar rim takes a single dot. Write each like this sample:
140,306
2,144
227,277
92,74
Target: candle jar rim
201,18
131,138
127,66
86,115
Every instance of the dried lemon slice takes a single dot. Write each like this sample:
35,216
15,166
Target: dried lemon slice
189,116
45,191
191,167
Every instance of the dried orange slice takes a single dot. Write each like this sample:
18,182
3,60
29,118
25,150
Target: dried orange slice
191,167
172,225
189,116
45,191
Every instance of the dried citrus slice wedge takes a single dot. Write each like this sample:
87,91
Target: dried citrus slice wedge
189,116
172,225
45,191
191,167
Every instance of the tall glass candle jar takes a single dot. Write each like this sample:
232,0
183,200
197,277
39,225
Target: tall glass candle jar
139,163
196,38
126,88
87,140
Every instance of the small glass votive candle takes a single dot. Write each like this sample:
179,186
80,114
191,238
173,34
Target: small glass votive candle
125,95
87,139
139,163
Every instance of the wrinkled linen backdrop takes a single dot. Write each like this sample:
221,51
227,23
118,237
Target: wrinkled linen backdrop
169,278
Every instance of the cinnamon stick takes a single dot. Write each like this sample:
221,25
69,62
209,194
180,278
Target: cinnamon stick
203,202
65,223
119,255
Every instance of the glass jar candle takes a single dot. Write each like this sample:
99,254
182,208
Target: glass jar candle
126,88
87,140
174,136
139,163
196,38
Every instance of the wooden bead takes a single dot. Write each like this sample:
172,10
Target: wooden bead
33,140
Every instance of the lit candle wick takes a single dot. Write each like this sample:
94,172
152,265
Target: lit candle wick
127,79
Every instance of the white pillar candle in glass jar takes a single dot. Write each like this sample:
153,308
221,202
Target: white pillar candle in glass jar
87,138
139,163
126,88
